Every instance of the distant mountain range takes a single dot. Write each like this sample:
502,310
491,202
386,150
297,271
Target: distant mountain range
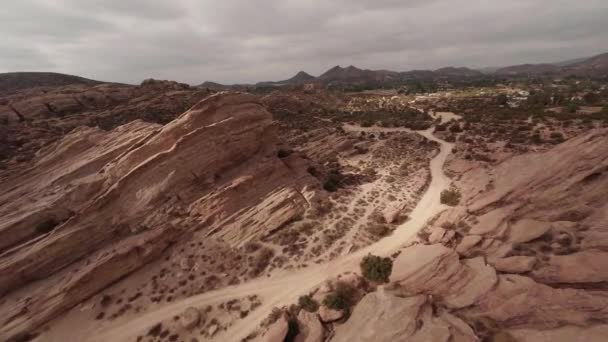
596,66
351,76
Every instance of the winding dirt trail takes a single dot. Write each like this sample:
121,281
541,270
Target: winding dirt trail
284,287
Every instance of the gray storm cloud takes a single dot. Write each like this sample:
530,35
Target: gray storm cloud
246,41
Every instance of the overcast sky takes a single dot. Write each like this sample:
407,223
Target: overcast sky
233,41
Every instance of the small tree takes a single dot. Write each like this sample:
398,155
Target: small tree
572,107
335,302
501,99
333,181
342,298
376,269
450,197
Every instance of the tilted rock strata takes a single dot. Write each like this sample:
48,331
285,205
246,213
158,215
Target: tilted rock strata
140,182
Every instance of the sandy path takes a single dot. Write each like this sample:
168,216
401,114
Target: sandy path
284,287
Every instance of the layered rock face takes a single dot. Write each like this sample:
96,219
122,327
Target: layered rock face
542,216
98,205
34,118
523,260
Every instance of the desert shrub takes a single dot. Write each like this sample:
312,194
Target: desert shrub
557,137
335,302
376,268
342,298
571,107
312,171
330,186
332,183
261,261
307,303
455,128
450,197
252,246
501,99
273,316
367,123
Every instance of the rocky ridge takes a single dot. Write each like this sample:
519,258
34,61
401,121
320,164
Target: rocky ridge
97,205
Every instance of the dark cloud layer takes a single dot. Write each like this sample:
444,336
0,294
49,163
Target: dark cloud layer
247,41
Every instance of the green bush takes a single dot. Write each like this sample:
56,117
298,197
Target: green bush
333,181
342,298
376,268
335,301
557,137
450,197
571,107
367,123
307,303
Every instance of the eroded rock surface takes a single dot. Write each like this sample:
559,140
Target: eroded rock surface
98,205
383,317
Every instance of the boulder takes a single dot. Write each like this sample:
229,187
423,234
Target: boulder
190,318
277,331
491,223
527,230
311,330
467,243
391,213
384,317
329,315
437,270
567,333
518,301
448,237
582,267
437,235
515,264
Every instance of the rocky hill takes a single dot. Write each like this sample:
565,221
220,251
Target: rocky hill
13,81
354,75
301,77
594,67
528,70
97,205
462,72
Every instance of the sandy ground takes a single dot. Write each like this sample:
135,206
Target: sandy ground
445,116
284,287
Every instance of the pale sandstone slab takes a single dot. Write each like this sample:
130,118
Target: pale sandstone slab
515,264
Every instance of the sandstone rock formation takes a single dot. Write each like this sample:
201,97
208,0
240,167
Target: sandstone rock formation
36,117
277,331
311,330
548,226
515,264
328,315
97,205
383,317
436,269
